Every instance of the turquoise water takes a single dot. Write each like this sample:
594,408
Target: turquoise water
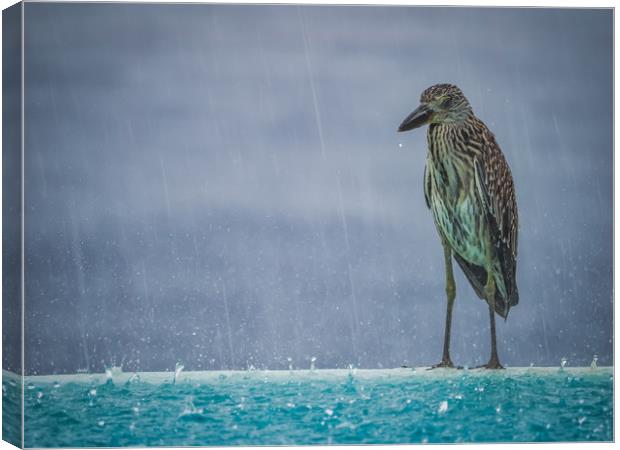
11,408
319,407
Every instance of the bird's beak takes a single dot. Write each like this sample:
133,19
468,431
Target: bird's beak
421,116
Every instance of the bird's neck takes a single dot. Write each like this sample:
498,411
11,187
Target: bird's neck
458,119
447,139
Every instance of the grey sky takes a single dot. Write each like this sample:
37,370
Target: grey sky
224,186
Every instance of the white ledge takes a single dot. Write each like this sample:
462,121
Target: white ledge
318,374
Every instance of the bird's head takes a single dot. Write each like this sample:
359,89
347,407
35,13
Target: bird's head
441,103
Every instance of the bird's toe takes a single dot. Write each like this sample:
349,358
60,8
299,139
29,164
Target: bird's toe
490,365
446,364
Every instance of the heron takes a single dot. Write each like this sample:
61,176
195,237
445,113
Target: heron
469,189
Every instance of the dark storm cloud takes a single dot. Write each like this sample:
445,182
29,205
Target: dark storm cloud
223,185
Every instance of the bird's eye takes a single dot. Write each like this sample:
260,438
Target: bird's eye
446,102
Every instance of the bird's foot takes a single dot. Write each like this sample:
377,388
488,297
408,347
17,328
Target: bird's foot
492,364
446,364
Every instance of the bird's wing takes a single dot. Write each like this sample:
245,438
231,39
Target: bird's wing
496,192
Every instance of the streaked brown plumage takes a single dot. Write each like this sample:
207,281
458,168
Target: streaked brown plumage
468,187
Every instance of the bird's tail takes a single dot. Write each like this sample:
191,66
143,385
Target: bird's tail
477,277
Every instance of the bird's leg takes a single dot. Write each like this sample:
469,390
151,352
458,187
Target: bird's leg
489,290
450,294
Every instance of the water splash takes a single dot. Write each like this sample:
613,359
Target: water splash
189,409
351,377
312,366
290,363
593,364
443,407
113,372
91,396
134,378
563,363
581,420
178,368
